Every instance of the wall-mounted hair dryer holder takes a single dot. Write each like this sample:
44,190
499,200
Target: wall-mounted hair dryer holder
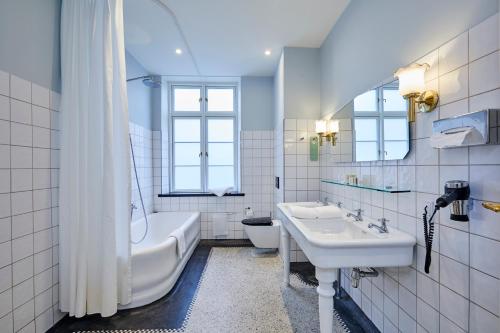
456,195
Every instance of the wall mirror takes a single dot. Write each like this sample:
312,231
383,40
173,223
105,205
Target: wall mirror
374,126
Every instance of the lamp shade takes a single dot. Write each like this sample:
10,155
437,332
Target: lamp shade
333,126
320,126
411,79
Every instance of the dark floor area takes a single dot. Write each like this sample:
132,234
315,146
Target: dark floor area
169,312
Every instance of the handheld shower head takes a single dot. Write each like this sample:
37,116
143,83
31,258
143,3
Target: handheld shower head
152,82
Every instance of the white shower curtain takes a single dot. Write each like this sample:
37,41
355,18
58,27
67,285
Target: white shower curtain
95,161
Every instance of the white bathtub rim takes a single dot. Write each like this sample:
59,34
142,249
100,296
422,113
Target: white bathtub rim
169,239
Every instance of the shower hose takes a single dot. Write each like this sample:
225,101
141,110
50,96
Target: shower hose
140,195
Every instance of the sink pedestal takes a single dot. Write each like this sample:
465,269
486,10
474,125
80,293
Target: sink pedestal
325,290
326,277
285,248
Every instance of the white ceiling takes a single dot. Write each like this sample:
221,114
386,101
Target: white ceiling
226,37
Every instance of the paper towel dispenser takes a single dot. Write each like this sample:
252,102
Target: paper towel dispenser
471,129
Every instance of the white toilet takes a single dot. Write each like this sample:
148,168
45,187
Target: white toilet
265,235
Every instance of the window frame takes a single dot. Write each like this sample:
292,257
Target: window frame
380,115
204,115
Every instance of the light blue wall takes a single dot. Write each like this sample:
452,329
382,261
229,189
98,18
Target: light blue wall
257,103
373,38
29,40
140,105
301,82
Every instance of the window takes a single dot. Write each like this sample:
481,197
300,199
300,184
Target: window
380,124
204,145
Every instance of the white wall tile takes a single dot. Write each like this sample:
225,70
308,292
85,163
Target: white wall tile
4,83
480,258
4,132
454,307
483,38
4,108
484,74
454,244
24,315
454,86
21,135
20,89
482,320
40,95
484,291
454,275
453,54
20,112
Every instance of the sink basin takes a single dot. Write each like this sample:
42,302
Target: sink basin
341,242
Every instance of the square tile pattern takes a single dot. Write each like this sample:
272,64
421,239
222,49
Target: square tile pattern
462,292
29,172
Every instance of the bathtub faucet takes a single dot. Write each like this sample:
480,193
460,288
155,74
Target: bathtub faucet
133,206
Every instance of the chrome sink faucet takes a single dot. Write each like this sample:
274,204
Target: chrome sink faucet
356,217
382,228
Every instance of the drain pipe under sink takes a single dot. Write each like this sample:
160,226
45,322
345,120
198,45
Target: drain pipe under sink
357,274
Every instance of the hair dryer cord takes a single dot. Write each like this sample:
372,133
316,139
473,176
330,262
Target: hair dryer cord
428,235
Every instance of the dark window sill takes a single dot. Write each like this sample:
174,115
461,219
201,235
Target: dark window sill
177,195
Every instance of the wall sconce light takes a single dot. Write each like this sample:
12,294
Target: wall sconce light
327,129
412,88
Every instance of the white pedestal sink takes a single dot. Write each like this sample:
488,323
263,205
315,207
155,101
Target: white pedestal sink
330,244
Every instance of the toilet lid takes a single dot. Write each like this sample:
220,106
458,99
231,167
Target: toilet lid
262,221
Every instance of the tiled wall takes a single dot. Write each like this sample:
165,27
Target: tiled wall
256,149
29,171
142,142
462,291
301,174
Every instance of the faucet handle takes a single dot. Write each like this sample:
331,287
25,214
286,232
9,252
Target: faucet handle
383,220
339,204
359,210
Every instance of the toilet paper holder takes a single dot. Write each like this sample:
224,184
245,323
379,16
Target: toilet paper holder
484,124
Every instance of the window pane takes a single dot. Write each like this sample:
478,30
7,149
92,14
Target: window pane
366,129
220,176
187,178
366,102
220,99
187,154
187,99
186,130
366,151
220,130
220,154
393,101
395,150
395,129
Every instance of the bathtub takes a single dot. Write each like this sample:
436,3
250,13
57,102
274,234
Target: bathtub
156,265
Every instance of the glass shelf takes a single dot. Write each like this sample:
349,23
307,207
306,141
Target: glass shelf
365,187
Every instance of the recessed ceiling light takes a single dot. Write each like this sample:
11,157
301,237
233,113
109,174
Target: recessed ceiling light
178,51
267,52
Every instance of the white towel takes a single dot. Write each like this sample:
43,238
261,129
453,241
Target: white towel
303,212
220,191
179,235
322,212
328,212
219,224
